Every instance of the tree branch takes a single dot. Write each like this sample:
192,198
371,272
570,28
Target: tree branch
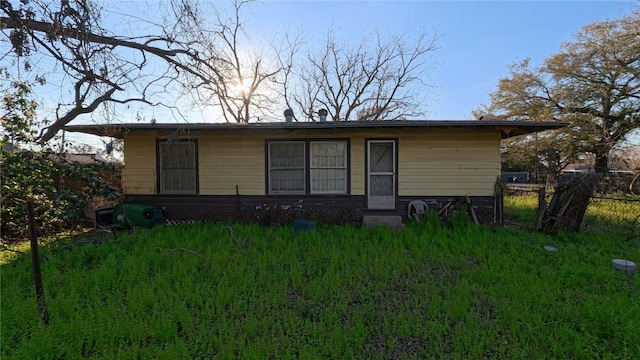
49,132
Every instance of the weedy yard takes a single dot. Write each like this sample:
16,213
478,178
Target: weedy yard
232,291
608,215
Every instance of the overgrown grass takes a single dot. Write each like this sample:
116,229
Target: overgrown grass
615,217
211,291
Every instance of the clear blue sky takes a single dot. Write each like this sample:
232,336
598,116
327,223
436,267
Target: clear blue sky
480,39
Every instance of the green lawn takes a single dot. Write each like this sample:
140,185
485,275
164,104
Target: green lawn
237,291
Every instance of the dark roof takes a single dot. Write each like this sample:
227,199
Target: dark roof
84,158
507,128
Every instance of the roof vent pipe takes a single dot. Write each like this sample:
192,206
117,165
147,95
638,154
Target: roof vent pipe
323,114
288,115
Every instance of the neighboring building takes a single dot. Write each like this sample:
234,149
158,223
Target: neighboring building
578,168
588,169
515,177
87,159
624,160
203,171
107,171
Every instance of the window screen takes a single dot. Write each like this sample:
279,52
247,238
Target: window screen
328,167
286,167
178,172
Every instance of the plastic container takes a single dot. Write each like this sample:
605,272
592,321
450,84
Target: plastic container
104,215
626,266
303,225
133,214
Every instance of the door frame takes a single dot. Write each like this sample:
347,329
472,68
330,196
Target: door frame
392,205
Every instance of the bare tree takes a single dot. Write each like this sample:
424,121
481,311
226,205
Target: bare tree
93,65
286,49
154,61
379,79
242,76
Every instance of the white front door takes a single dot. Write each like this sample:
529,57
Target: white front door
381,174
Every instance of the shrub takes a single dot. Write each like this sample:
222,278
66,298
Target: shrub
37,176
34,173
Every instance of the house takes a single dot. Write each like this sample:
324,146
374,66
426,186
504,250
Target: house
87,159
347,169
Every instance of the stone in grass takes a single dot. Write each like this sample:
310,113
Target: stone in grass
626,266
550,248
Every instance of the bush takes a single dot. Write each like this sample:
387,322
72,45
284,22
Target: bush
37,176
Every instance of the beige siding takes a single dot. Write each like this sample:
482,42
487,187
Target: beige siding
431,162
435,162
358,167
139,174
448,164
228,161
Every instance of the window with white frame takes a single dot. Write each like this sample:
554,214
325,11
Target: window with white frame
307,167
328,167
177,167
286,167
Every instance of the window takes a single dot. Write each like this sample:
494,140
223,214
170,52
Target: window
286,167
307,167
328,167
177,167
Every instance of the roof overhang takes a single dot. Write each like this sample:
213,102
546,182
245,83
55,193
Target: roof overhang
506,128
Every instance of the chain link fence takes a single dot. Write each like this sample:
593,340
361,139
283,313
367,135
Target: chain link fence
590,203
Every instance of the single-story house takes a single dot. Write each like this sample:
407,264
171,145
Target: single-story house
350,169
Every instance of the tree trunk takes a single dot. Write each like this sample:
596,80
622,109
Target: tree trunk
601,164
569,203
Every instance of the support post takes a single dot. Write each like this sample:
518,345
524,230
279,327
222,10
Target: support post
542,207
35,260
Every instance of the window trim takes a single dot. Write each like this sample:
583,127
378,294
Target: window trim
307,168
311,168
159,169
304,167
